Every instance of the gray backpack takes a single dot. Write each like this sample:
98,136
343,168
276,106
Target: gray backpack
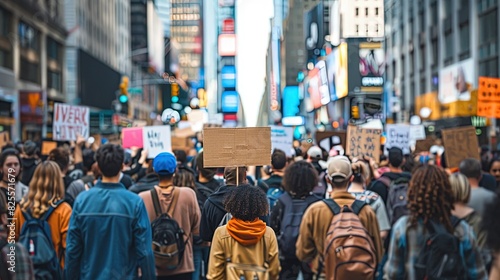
397,198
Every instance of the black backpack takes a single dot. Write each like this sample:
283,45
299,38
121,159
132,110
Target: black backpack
441,257
293,210
397,197
168,236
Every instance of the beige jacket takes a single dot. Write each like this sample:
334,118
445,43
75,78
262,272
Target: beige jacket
223,244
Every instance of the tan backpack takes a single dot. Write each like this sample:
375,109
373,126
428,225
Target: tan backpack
349,250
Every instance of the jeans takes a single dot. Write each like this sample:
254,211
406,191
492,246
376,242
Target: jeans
291,268
200,258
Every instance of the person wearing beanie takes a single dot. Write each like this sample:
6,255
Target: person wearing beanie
29,162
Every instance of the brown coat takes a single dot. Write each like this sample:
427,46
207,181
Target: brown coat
223,243
187,215
315,224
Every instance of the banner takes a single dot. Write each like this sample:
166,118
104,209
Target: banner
69,122
282,138
157,139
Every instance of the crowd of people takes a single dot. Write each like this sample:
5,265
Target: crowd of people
103,212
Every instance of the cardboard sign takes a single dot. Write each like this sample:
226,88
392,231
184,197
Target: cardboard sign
363,142
48,146
282,138
132,137
488,98
398,135
156,139
250,146
69,121
181,143
460,143
4,138
329,140
424,145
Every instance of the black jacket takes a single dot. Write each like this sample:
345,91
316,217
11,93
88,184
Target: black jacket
381,189
29,166
145,184
213,212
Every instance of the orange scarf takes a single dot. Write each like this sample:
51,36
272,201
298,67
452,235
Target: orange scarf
246,233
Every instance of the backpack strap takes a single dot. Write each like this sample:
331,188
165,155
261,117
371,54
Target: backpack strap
285,198
51,209
455,221
156,201
385,180
334,207
357,205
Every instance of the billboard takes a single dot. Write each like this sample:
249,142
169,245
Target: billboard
156,50
336,66
313,30
366,66
456,82
227,44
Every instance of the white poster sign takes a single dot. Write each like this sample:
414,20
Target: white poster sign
69,122
157,139
282,138
417,132
398,135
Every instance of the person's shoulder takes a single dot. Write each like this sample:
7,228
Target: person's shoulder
63,207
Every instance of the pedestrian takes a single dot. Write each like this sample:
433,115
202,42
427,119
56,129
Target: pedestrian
180,203
109,235
245,248
46,190
479,196
491,225
10,172
29,161
430,201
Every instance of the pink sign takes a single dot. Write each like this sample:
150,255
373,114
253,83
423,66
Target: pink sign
132,137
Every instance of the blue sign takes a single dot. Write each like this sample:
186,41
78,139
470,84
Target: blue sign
230,102
291,101
228,76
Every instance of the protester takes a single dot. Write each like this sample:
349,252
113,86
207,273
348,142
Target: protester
46,190
181,205
299,181
72,187
109,235
491,225
147,182
22,266
479,196
11,169
318,218
430,200
274,183
29,161
245,246
314,156
206,175
494,169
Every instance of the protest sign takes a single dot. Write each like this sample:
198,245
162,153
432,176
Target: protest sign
69,122
331,139
398,136
250,146
488,97
282,138
363,142
48,146
156,139
424,145
132,137
460,143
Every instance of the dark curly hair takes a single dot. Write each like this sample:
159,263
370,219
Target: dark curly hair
300,178
491,223
430,196
246,202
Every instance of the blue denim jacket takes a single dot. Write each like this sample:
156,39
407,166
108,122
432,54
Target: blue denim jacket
109,236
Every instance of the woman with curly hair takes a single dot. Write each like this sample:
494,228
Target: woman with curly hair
46,190
299,181
245,246
430,201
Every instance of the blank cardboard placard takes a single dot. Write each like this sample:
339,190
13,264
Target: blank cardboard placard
363,142
48,146
181,143
424,145
460,143
226,147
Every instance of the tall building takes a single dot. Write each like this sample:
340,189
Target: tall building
32,40
97,53
362,18
436,50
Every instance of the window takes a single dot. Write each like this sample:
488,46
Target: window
376,11
448,6
412,63
448,44
29,71
421,20
483,5
435,53
394,35
357,11
53,49
423,83
464,41
28,36
464,4
5,23
54,80
6,59
487,35
422,58
376,28
357,29
366,11
366,28
434,13
489,67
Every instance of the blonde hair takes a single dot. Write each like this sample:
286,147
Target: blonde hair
46,188
460,187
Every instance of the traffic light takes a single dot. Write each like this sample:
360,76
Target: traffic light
355,112
123,97
175,93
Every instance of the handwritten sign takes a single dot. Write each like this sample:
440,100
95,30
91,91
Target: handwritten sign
398,136
156,139
69,121
282,138
488,97
424,145
363,142
460,143
132,137
249,146
48,146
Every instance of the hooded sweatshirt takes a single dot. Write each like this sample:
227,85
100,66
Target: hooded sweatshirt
29,166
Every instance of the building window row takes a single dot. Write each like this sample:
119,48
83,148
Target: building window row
185,17
366,11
